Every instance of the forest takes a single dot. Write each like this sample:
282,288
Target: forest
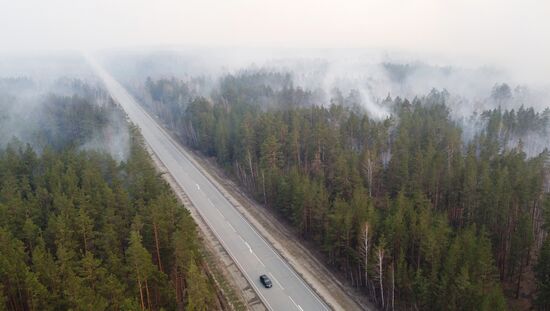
83,230
410,209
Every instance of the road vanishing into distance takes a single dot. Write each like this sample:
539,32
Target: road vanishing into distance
252,254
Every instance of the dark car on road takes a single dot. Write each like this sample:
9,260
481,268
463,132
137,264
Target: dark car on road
265,281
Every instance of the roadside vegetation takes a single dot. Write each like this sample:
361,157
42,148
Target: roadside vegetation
409,208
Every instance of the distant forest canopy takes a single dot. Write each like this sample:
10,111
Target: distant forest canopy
83,230
416,209
371,74
65,111
263,89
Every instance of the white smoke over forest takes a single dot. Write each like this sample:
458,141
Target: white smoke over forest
58,102
356,77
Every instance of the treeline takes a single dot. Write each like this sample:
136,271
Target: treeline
403,207
169,97
82,231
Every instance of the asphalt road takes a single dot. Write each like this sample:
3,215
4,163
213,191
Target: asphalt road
246,246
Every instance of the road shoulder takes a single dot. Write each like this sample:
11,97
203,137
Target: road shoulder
284,240
229,278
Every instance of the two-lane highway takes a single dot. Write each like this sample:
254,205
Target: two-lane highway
246,246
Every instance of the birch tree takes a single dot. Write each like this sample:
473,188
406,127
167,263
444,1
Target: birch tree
380,252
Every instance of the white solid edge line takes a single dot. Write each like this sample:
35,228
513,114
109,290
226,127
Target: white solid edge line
217,191
269,246
250,280
229,252
194,166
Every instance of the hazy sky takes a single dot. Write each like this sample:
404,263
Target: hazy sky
516,32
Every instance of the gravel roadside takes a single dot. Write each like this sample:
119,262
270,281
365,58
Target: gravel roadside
239,295
300,254
285,240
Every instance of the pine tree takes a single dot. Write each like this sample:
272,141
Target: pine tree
198,294
142,268
542,271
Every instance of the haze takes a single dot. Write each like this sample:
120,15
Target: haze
513,34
